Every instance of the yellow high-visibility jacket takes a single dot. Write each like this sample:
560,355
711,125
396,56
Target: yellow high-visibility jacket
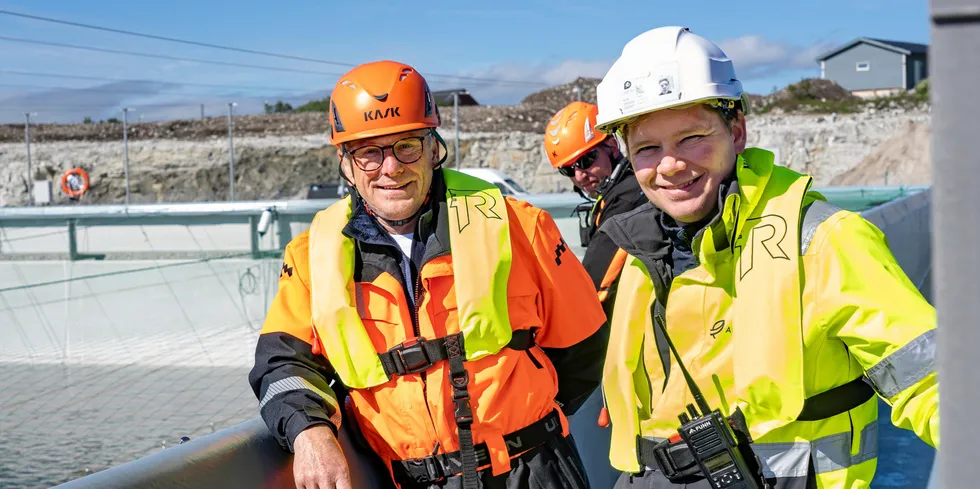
791,298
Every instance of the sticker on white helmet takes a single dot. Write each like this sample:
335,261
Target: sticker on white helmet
635,96
652,90
666,83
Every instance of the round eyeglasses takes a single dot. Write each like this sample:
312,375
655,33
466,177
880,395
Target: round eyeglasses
406,150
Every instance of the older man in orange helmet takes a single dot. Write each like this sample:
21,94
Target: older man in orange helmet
461,327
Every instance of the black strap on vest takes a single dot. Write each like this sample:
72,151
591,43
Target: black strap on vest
459,378
680,462
840,399
429,470
419,354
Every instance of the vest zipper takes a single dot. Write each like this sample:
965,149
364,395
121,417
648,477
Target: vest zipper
418,301
419,294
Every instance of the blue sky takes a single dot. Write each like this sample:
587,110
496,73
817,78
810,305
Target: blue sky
519,46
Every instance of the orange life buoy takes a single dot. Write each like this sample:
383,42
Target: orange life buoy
74,183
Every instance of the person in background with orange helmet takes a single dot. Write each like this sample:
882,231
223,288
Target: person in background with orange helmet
600,173
458,326
598,170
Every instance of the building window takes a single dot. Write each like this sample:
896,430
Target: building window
863,66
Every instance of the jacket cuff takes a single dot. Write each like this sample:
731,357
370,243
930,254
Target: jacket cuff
301,420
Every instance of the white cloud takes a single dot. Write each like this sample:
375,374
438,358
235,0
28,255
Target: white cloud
752,51
154,101
74,104
757,57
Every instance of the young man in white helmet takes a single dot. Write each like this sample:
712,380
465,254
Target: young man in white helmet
789,316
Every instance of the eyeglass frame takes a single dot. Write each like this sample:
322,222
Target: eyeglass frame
592,156
421,139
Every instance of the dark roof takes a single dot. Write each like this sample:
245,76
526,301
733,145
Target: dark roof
445,97
896,46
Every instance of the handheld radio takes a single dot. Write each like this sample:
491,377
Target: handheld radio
710,438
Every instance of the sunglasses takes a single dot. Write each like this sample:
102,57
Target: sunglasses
583,163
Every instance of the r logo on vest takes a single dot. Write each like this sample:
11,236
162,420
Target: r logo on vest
768,232
480,200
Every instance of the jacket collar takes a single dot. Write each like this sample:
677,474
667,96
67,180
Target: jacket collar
753,169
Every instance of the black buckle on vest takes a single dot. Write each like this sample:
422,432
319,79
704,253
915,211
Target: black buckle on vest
675,460
410,357
436,467
461,397
433,471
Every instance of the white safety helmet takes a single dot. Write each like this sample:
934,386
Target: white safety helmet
661,68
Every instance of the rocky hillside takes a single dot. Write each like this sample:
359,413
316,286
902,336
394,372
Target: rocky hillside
900,157
279,156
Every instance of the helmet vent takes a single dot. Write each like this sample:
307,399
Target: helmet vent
589,134
557,117
380,98
348,84
337,125
404,74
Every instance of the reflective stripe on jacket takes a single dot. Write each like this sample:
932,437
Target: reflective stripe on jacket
747,345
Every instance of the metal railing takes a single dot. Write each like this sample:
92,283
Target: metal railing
252,220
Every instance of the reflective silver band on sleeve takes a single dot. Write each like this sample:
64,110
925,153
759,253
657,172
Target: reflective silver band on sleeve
906,366
296,384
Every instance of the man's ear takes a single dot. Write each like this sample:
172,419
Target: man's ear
739,135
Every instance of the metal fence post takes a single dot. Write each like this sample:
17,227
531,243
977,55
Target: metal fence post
253,231
27,138
125,112
231,153
285,231
456,123
72,241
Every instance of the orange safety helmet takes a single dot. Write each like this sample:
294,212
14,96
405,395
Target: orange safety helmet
571,133
379,98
